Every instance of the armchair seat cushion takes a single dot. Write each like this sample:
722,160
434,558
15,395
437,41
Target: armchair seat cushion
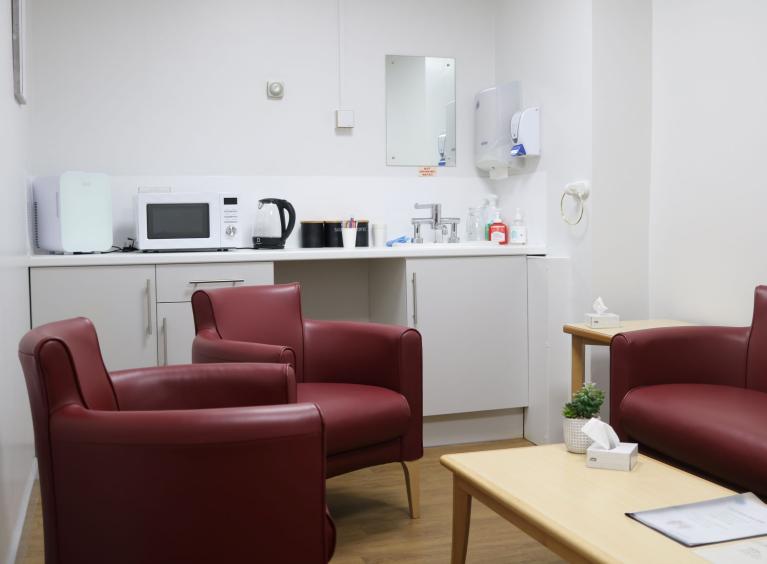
356,415
721,430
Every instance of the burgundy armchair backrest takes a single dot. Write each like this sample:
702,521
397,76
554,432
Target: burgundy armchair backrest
258,314
62,365
756,375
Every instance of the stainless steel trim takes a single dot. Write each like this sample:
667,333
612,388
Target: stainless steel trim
165,341
415,302
149,306
232,281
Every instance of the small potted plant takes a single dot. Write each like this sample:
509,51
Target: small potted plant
585,404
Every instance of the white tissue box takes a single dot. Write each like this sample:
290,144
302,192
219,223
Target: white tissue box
603,320
622,457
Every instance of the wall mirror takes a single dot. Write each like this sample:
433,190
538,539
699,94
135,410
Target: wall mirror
420,111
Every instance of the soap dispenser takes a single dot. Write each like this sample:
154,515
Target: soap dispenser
518,229
525,134
499,231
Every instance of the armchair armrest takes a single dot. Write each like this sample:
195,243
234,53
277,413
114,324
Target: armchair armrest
209,348
362,353
239,484
676,355
204,386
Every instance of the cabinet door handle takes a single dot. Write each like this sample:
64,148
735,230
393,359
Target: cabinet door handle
415,302
233,281
165,341
149,306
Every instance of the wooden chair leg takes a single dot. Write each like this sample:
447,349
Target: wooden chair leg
412,470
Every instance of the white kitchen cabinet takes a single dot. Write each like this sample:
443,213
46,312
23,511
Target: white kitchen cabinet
472,315
142,313
120,300
175,333
470,310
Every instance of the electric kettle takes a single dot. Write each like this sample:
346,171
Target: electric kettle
269,229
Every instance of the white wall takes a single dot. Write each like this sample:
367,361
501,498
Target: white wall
622,116
620,205
179,87
377,198
547,45
587,64
708,225
16,450
178,91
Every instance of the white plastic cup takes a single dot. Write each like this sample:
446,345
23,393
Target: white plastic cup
379,234
349,236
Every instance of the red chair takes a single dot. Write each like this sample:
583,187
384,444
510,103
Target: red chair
197,463
366,378
697,396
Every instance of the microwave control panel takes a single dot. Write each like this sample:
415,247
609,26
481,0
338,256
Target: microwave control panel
231,226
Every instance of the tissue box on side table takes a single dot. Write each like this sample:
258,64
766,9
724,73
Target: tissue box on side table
603,320
622,457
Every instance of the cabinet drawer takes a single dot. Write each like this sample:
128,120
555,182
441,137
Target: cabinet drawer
177,282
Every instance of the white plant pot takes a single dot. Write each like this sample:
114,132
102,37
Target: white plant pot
575,439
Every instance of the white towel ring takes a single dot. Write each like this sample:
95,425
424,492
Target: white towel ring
580,192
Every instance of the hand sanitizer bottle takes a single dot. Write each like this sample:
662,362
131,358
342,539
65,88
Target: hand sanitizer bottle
518,229
499,231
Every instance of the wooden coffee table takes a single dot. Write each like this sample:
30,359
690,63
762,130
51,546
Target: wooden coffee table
577,512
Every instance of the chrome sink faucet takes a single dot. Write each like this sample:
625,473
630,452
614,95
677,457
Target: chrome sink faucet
437,222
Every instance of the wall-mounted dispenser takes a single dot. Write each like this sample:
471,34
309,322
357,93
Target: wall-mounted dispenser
504,133
493,109
526,133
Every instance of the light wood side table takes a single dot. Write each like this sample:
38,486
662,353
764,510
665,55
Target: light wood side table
583,335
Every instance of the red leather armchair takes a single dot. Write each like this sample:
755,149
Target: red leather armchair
365,378
696,395
198,463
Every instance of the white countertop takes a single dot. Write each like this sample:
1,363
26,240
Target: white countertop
251,255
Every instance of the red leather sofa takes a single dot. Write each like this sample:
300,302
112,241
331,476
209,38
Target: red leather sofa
366,378
697,396
195,464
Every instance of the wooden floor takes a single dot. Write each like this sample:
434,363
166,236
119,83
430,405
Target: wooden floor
370,511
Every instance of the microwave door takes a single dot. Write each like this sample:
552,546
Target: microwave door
180,225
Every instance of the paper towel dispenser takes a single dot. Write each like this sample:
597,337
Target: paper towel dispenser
505,134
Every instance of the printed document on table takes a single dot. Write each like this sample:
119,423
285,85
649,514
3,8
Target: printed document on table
744,552
717,520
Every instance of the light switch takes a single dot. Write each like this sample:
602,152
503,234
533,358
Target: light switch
344,118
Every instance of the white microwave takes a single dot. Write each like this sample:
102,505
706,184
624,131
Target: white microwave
174,221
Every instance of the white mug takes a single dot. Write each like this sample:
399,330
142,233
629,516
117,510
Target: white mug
379,234
349,236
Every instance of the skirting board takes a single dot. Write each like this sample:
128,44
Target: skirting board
473,427
13,548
